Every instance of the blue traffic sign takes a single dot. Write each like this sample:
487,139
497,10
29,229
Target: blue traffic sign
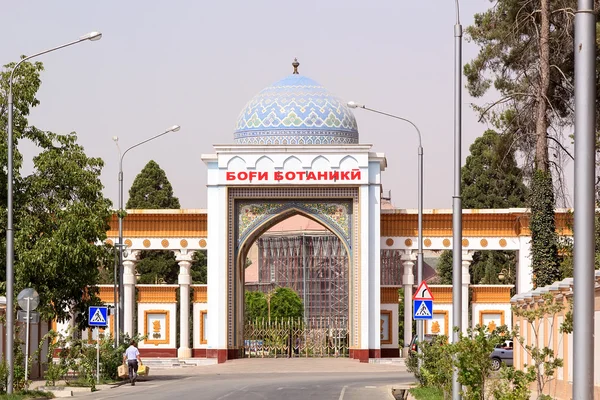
98,316
422,309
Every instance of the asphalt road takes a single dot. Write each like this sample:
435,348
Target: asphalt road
265,380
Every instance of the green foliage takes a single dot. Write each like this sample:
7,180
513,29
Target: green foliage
436,364
490,176
256,306
280,304
152,190
513,384
428,393
199,267
60,212
544,362
63,217
473,359
508,61
490,179
286,303
157,266
444,268
544,240
401,343
79,357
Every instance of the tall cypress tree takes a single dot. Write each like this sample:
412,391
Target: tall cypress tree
152,190
491,178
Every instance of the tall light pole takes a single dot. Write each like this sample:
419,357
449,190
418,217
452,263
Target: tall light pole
120,315
585,140
408,296
456,199
10,321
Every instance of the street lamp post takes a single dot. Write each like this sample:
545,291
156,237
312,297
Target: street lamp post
456,200
408,296
10,321
120,311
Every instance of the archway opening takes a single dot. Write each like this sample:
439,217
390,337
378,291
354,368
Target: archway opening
295,253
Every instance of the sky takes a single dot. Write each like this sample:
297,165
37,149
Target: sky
197,63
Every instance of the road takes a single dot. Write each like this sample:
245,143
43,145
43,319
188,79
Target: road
295,379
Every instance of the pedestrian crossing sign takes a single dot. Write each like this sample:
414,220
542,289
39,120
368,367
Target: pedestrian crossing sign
97,316
422,309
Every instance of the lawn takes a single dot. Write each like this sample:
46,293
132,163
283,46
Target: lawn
27,394
427,393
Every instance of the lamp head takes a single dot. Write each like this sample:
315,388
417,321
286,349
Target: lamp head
92,36
115,138
353,104
174,128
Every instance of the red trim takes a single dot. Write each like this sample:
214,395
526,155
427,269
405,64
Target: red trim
171,353
374,353
219,354
199,353
390,353
423,288
233,354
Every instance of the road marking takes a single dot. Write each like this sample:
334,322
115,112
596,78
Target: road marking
234,392
370,387
342,394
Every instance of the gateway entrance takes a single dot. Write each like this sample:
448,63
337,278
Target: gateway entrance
296,152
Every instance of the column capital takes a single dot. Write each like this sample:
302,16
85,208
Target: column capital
467,256
131,255
184,255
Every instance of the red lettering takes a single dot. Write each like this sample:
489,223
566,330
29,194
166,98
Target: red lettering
355,174
300,174
263,176
334,175
252,174
322,175
278,176
345,176
230,176
242,176
290,175
310,176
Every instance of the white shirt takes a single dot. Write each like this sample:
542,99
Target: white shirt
132,352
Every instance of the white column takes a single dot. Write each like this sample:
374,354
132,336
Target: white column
524,269
467,258
184,258
129,261
408,280
217,273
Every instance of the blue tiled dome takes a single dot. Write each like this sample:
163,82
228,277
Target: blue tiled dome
296,110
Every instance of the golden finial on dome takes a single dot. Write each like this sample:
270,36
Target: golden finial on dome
295,64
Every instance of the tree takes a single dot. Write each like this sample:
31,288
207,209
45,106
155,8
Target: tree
152,190
536,86
491,178
199,267
256,306
60,214
286,303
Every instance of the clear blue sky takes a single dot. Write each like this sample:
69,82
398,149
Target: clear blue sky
196,64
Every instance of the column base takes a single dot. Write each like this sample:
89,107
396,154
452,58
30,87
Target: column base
363,355
221,355
184,352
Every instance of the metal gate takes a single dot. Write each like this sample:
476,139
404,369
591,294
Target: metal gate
317,337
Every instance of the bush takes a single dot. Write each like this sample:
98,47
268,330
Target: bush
436,364
473,359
